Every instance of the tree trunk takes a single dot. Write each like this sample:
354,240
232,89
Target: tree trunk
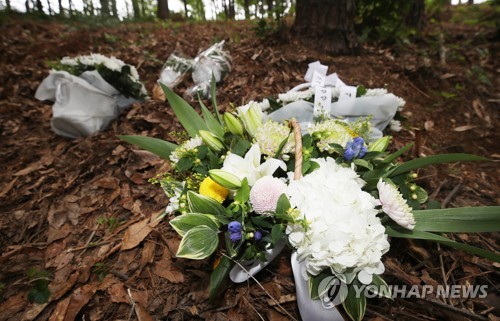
327,23
416,15
61,8
185,9
232,11
469,2
136,9
104,8
7,5
163,12
270,9
39,6
70,7
114,9
49,7
246,7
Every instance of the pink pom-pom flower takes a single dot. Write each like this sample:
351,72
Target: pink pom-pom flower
265,193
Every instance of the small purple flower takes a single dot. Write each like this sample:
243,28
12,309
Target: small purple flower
235,236
234,227
355,149
257,235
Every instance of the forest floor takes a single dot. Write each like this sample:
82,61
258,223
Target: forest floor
76,212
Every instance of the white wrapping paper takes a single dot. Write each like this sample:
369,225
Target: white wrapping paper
82,105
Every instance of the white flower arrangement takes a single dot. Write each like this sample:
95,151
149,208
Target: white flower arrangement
123,77
348,195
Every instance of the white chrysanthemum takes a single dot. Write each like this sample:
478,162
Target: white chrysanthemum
376,92
344,233
265,193
134,73
330,132
69,61
401,103
395,125
113,64
265,105
292,96
394,205
271,135
184,148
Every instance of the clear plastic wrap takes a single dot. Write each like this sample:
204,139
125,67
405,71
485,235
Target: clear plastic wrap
174,69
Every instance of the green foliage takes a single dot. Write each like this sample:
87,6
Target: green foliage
101,270
383,20
39,292
110,222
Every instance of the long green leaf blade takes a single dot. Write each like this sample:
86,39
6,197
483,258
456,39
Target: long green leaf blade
218,276
183,223
435,159
212,123
459,220
402,233
188,117
156,146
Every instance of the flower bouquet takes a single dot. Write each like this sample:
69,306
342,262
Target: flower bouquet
245,183
89,92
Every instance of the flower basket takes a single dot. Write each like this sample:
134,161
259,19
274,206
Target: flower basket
244,182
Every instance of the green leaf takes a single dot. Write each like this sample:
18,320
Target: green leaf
353,305
283,204
363,163
40,292
185,222
156,146
435,159
277,233
214,98
243,193
184,164
204,204
422,195
212,123
459,220
218,276
391,157
187,116
314,282
198,243
381,287
396,231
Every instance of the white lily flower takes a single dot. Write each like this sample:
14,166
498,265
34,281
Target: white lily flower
250,166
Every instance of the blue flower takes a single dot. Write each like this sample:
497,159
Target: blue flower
257,235
355,149
235,236
234,227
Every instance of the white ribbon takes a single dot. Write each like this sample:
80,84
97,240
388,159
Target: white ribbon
310,310
250,268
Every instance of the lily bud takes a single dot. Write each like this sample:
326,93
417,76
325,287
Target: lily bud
252,119
226,179
211,140
233,124
380,145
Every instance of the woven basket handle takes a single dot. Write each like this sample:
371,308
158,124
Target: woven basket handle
297,174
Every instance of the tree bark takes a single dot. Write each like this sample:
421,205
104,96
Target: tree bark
114,9
270,9
136,8
327,23
246,7
185,9
163,12
104,8
39,6
416,15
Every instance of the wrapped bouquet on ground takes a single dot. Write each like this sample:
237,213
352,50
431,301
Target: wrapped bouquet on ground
89,92
310,170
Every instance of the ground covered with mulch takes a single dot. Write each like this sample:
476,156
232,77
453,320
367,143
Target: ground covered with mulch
75,214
